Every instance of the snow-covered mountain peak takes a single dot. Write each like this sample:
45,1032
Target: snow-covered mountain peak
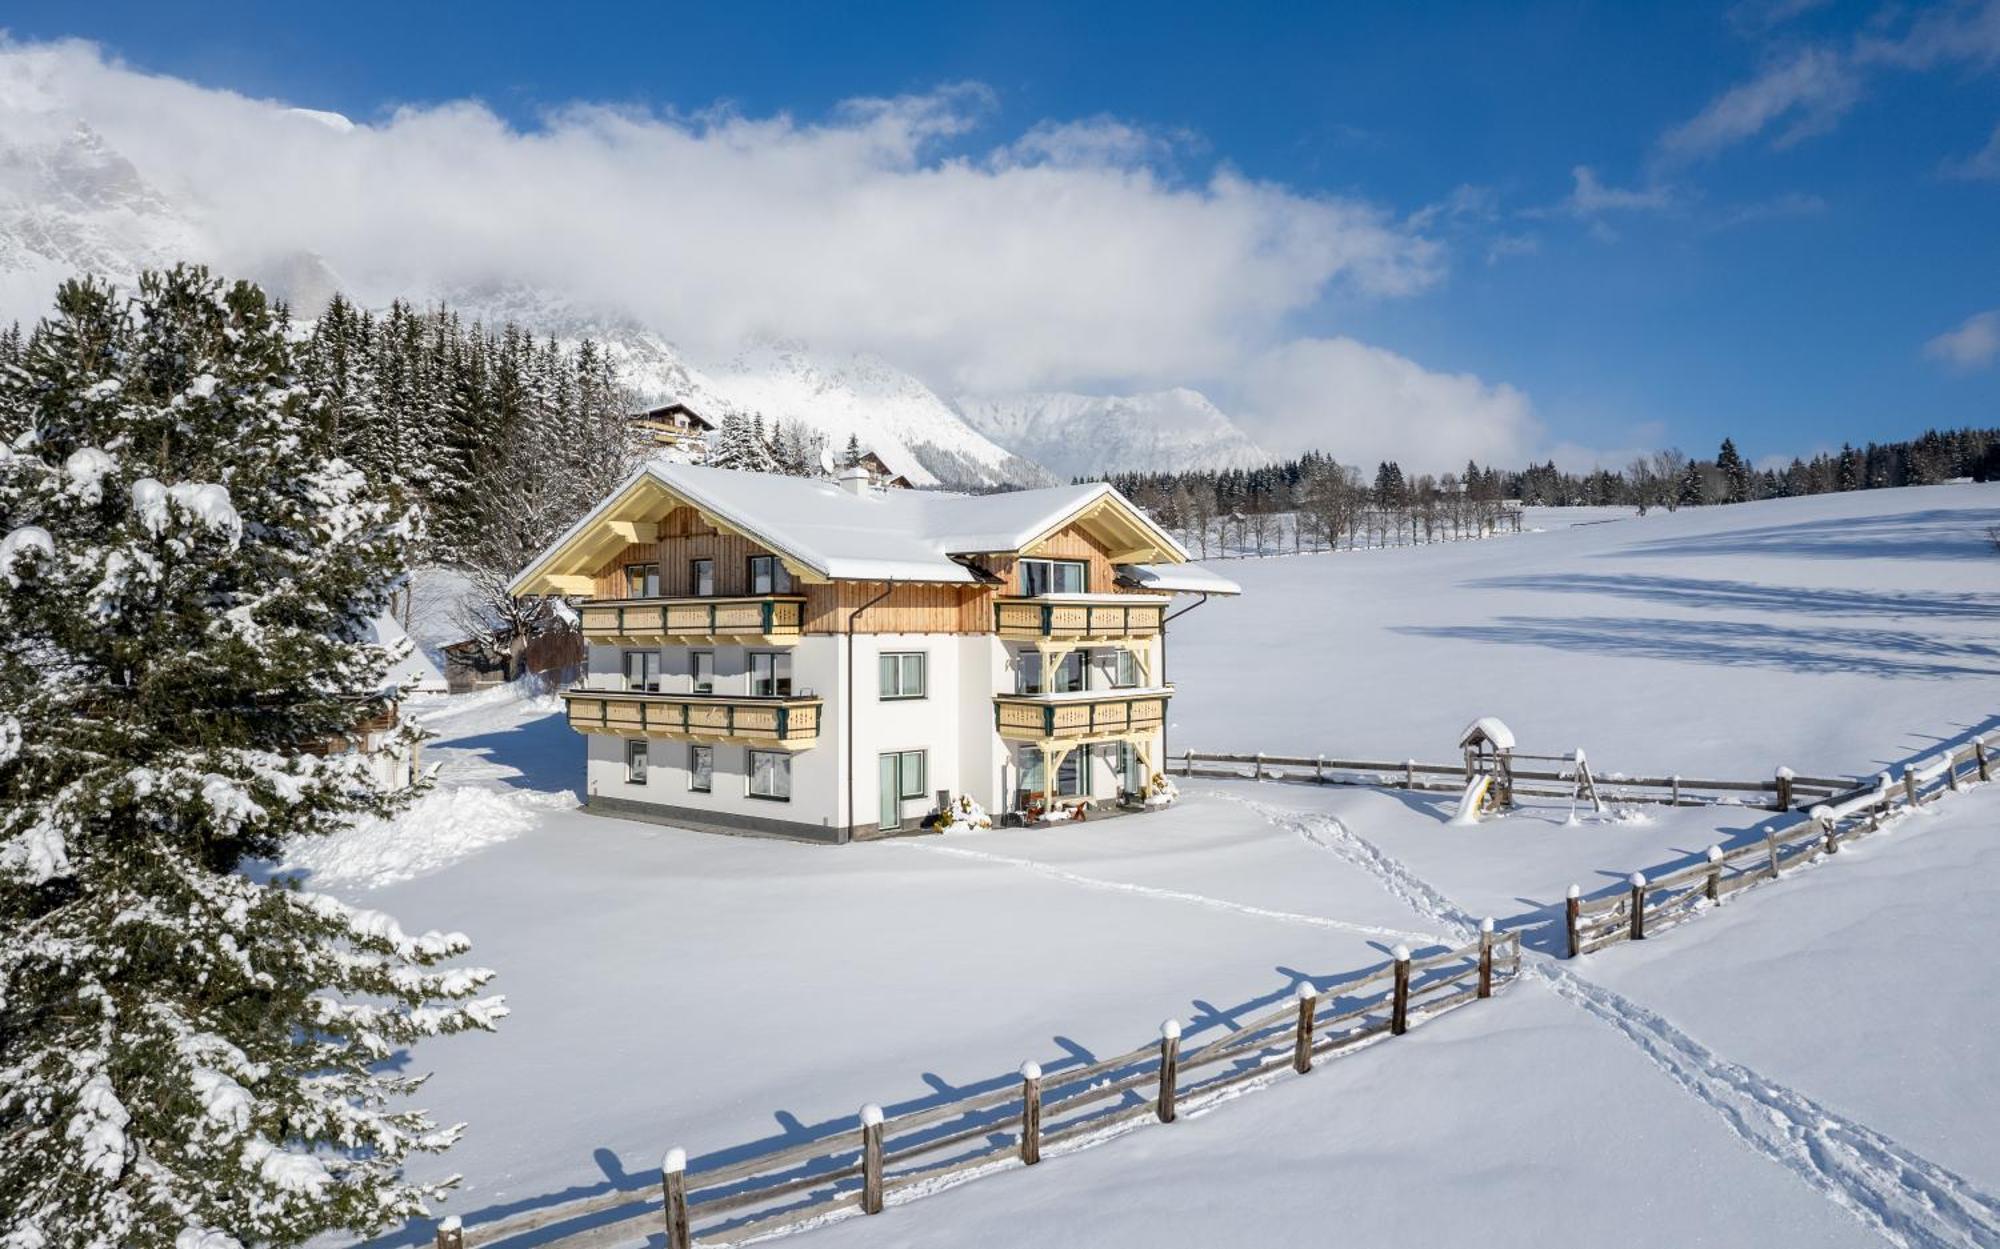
1077,435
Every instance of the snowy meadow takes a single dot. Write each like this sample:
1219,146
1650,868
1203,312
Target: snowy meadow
1792,1069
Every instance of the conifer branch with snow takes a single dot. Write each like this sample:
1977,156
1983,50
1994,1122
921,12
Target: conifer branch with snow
186,1052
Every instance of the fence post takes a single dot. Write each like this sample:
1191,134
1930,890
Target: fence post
1170,1062
1676,782
1302,1042
1031,1113
1638,906
1951,770
451,1233
1771,844
1187,762
1574,907
673,1184
1979,753
1829,834
1714,887
1784,799
1486,957
1910,784
1319,769
871,1159
1409,774
1399,1005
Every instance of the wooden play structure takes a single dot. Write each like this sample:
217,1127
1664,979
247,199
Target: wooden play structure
1490,755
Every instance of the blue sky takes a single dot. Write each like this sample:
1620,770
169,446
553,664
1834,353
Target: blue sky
1785,214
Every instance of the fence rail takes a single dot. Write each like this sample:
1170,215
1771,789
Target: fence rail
1013,1126
1666,896
1787,789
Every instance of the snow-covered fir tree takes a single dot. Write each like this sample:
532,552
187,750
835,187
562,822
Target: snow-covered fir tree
188,571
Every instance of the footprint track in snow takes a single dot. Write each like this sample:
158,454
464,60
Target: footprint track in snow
1905,1198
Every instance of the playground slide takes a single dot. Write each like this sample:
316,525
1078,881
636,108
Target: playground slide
1470,802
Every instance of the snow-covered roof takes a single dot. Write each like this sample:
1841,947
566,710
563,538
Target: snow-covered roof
873,535
415,667
1177,579
1489,728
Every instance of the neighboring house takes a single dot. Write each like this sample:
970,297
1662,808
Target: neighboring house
822,660
392,765
881,474
553,648
671,425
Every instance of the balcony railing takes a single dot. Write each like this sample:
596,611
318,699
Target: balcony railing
1104,619
1096,715
791,723
770,619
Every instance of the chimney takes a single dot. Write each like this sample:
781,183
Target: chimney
854,480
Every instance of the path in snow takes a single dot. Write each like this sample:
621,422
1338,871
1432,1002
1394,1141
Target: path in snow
1910,1201
1169,895
1907,1199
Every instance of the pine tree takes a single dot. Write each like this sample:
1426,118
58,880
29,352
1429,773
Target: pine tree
1691,491
187,570
1849,474
1736,481
851,457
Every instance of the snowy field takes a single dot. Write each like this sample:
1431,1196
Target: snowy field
1803,1068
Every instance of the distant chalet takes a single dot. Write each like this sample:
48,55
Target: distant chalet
822,660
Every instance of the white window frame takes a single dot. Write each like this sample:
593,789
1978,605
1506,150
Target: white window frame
638,760
1048,568
649,580
750,775
694,671
900,660
1121,660
777,660
695,753
649,664
695,567
779,578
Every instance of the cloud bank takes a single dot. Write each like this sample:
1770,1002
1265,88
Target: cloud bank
1975,344
1069,255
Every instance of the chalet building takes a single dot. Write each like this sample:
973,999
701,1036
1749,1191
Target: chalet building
671,425
880,474
823,660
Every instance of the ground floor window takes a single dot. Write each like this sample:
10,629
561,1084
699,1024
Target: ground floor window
701,768
771,775
1072,777
902,778
635,762
1131,768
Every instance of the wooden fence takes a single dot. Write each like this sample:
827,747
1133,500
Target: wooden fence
1652,900
1784,791
1013,1126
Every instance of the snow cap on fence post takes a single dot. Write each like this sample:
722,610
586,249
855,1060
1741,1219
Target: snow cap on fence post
871,1115
1818,815
675,1162
1575,891
1638,880
1486,925
1401,954
1031,1070
1303,990
450,1223
1788,774
1170,1029
1715,854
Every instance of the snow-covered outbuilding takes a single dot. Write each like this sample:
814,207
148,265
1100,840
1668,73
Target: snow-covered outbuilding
825,659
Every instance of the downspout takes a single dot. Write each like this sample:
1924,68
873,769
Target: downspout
852,616
1164,621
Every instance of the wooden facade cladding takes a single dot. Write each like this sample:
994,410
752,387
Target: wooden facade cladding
1112,717
683,538
785,723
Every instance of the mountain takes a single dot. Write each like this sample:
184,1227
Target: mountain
1092,435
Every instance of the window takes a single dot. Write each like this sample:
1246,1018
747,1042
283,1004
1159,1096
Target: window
702,582
1073,774
1053,576
770,674
771,775
768,575
701,668
701,768
642,671
1131,772
1124,669
1069,674
642,581
903,675
1067,678
902,777
635,763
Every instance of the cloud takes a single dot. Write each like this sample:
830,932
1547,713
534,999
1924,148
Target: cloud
1053,256
1807,92
1777,208
1363,404
1981,166
1975,344
1507,245
1757,16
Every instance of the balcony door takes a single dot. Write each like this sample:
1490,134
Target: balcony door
902,780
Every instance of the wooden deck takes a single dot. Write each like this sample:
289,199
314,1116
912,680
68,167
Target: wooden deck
784,723
1100,716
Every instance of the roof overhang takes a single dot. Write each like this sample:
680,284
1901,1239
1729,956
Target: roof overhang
1126,532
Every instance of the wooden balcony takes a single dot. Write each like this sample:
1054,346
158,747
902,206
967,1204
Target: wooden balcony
1092,716
1098,618
765,620
780,723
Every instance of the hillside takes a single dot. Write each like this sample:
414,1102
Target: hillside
1678,1089
1094,435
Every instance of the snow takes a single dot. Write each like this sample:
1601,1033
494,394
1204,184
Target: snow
1075,435
413,669
1492,728
1782,1062
1178,578
437,830
16,546
899,535
87,468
